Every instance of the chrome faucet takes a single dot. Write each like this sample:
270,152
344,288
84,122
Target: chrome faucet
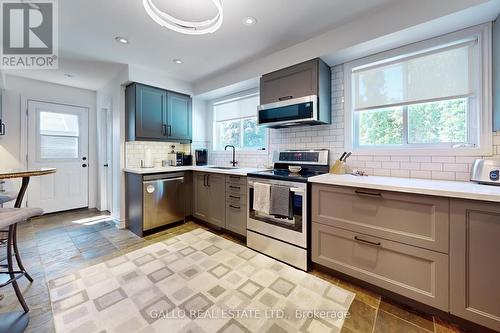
233,162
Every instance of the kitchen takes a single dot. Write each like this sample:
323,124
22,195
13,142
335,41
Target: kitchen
352,178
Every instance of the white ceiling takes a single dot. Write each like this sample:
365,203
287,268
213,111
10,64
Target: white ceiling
88,50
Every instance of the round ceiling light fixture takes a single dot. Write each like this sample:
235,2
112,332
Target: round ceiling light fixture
249,20
121,40
183,26
178,61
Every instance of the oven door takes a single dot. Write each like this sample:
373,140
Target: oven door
291,229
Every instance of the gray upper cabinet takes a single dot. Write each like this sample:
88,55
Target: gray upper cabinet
292,82
154,114
474,262
179,122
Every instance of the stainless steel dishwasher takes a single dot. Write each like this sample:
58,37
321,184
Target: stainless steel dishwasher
163,199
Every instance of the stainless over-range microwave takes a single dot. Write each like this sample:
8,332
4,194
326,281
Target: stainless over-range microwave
290,112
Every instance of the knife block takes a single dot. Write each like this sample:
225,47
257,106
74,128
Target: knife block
338,168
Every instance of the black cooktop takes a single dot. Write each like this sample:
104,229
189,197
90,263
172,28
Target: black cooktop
285,174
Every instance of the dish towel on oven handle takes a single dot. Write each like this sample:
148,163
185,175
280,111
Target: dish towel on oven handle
261,197
280,201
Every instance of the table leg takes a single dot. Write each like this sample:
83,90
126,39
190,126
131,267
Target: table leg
19,200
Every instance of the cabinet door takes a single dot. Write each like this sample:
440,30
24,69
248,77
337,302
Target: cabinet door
179,117
474,262
291,82
150,117
201,196
217,186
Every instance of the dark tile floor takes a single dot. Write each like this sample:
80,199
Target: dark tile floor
54,245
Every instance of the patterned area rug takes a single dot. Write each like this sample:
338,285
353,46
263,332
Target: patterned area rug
196,282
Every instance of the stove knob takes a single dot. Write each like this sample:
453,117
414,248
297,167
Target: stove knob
494,175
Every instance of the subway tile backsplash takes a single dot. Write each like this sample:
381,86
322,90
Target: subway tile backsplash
135,151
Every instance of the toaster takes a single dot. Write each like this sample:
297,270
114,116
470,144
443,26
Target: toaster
486,172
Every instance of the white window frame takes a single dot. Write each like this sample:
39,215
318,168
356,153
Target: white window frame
233,97
481,114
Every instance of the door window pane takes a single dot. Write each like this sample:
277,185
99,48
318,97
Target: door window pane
380,127
438,122
52,123
56,147
59,135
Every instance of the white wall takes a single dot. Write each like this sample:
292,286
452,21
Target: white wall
19,89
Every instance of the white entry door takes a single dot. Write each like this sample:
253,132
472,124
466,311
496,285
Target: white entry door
58,137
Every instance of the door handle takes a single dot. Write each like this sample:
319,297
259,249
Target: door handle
84,165
84,158
106,165
367,241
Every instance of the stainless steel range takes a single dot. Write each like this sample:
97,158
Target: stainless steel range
280,229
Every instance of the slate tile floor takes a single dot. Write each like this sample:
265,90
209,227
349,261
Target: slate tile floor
57,244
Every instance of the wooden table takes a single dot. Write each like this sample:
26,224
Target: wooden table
25,174
17,321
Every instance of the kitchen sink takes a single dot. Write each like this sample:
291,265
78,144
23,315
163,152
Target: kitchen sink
223,168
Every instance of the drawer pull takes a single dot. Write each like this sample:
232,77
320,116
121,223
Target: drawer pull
235,207
367,241
232,196
369,194
236,187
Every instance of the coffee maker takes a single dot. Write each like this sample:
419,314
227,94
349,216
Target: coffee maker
201,156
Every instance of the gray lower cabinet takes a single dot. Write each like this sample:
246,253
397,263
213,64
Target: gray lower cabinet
411,271
236,204
396,241
475,262
221,200
210,198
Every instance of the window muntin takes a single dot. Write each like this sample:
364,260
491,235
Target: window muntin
235,123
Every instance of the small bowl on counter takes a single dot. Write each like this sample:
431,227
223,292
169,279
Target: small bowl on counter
294,168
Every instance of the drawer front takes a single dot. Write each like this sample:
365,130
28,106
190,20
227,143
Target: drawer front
236,218
411,271
238,189
407,218
242,180
236,198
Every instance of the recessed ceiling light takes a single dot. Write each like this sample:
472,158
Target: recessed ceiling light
121,40
249,20
69,75
178,61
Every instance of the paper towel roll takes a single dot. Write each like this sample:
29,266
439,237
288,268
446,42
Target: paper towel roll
148,159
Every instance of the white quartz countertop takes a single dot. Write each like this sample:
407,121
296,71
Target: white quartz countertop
209,168
452,189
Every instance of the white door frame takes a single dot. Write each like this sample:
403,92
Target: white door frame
105,174
23,151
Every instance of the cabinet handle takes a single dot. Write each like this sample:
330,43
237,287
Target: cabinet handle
236,187
163,129
366,241
169,130
284,98
208,180
205,180
2,128
235,207
369,194
232,196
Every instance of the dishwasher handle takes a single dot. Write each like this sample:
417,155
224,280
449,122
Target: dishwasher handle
165,180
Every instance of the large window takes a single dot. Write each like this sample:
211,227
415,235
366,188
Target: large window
236,124
427,96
